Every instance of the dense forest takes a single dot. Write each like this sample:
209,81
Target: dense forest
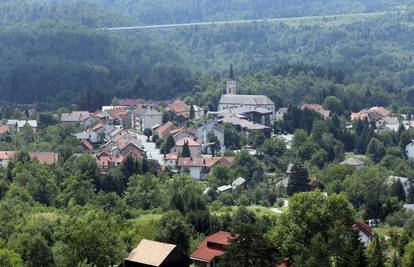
59,55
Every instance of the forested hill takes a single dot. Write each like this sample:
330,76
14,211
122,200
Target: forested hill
52,52
95,13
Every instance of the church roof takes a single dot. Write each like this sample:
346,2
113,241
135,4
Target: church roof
246,100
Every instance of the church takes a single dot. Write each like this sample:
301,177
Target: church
233,101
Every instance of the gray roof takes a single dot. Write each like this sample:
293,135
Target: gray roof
147,112
246,99
238,182
353,162
22,123
75,116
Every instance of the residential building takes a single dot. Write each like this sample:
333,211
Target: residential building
47,158
365,232
193,143
164,130
280,113
179,108
246,126
128,102
77,117
388,124
318,109
171,160
19,124
199,168
91,136
147,118
207,127
152,253
181,133
373,114
211,249
115,116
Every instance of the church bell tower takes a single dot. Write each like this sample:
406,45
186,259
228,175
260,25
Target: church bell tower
231,85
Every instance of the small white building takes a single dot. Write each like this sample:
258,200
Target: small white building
409,150
365,232
91,136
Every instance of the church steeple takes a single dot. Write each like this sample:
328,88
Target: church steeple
231,85
231,74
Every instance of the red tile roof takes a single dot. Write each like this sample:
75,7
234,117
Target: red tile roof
190,141
208,162
365,228
128,102
164,128
87,145
317,108
207,253
42,157
179,107
116,113
97,127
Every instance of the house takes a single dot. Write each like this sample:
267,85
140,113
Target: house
86,145
198,112
164,130
373,114
318,109
365,232
280,114
354,162
91,136
128,102
114,155
409,150
239,183
147,118
19,124
246,126
48,158
77,117
115,116
179,108
211,249
389,124
200,168
171,160
207,127
407,184
181,133
193,143
152,253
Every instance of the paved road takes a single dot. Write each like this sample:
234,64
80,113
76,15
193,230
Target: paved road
152,152
181,25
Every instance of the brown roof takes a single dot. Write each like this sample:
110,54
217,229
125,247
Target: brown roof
4,129
128,102
165,128
150,253
42,157
317,108
381,110
87,145
116,113
204,162
213,246
365,228
179,107
7,155
97,127
190,141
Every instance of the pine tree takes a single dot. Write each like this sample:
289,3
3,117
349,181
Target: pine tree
192,112
231,74
375,254
186,153
398,190
298,180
